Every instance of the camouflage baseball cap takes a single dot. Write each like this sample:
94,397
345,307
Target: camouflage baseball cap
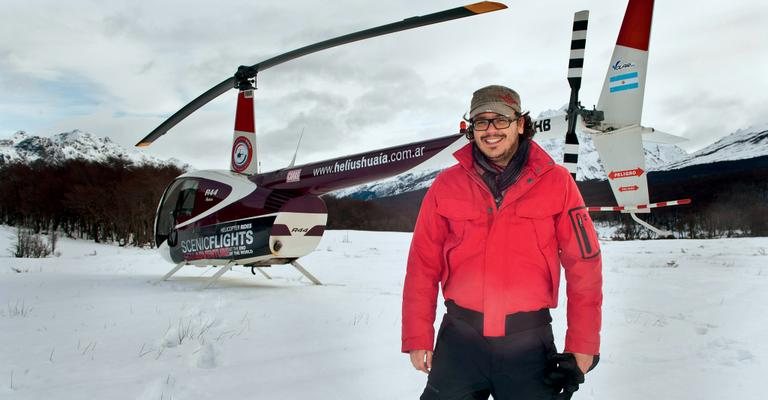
495,98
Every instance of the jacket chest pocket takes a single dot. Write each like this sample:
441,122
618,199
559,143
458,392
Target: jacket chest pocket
460,215
542,215
463,219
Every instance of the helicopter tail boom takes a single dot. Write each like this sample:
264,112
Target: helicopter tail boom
343,172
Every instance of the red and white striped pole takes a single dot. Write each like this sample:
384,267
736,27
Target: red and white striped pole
642,206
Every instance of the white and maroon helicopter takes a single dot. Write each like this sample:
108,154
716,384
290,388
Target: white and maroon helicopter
243,217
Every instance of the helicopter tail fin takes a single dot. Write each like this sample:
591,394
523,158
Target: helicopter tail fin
244,138
621,99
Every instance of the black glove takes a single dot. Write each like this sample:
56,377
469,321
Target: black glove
564,374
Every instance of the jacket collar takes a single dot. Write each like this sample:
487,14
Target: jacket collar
538,159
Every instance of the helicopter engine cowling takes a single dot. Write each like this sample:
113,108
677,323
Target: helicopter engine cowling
298,227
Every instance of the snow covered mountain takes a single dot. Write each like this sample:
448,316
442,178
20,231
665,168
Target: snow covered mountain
743,144
22,147
657,156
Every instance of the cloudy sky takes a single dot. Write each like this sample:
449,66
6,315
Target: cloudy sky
118,69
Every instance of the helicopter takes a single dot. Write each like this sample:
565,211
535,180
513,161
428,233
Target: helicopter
243,217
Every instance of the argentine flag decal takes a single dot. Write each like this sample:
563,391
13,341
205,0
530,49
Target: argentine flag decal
622,82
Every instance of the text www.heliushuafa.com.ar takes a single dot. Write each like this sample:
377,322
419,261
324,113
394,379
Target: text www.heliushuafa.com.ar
364,162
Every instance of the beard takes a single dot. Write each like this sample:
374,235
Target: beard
499,155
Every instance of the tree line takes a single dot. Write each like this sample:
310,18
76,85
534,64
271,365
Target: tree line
738,210
729,200
113,201
366,215
116,201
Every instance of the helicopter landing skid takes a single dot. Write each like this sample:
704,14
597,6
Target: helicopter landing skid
658,231
173,271
217,275
306,273
228,267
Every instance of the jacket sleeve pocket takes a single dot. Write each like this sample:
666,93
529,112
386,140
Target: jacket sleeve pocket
584,232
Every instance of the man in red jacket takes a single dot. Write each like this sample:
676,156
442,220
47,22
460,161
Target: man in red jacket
493,231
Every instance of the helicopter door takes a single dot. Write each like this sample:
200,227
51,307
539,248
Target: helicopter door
185,199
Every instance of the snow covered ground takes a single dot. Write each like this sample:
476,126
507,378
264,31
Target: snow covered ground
683,319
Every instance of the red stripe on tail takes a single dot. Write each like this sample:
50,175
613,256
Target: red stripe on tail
244,119
636,28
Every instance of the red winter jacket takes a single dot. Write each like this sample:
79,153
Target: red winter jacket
505,260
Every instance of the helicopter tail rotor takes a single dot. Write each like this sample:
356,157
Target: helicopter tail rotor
575,66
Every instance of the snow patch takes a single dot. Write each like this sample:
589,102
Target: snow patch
205,357
100,327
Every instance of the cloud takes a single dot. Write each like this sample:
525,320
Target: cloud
702,117
118,69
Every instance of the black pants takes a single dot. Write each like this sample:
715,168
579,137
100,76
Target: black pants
468,366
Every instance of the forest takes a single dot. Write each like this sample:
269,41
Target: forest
729,199
116,201
106,202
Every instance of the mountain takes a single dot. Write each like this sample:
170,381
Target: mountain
727,183
743,144
22,147
658,156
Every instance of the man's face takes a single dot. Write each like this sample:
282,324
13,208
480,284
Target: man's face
499,145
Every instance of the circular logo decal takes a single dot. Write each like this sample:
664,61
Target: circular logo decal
242,152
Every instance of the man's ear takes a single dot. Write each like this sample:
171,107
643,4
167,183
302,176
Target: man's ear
470,133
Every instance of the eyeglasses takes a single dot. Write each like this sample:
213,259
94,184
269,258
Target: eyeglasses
498,123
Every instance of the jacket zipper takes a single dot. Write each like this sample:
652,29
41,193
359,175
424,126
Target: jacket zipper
584,236
484,188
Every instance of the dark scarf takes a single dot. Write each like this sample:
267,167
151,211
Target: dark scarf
497,179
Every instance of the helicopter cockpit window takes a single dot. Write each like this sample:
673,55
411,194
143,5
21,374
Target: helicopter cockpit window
185,204
185,199
177,207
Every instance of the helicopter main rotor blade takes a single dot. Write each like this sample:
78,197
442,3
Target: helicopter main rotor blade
408,23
